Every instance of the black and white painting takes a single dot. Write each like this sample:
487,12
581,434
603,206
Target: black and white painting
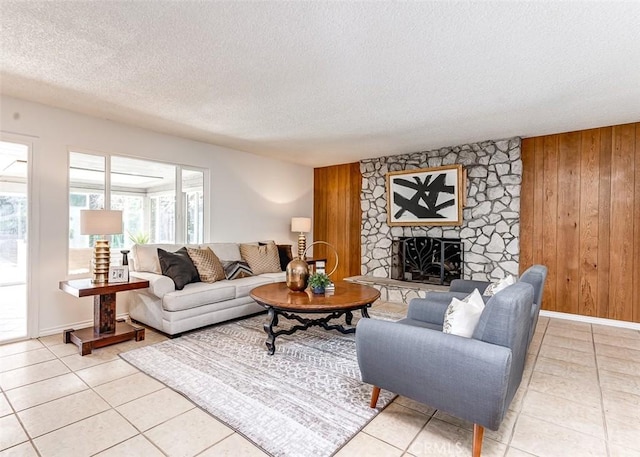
428,196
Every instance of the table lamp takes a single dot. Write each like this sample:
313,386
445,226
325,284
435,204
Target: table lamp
100,222
301,225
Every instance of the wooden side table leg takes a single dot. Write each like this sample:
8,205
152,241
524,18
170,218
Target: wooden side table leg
66,335
104,313
85,348
139,333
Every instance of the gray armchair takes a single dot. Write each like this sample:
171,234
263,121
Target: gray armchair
474,379
535,275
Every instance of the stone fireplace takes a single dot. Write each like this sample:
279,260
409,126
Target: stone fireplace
426,260
490,230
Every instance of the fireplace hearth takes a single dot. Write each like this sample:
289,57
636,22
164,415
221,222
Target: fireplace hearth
426,259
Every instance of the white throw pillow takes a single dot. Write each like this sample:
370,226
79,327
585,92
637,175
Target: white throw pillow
462,316
496,287
147,259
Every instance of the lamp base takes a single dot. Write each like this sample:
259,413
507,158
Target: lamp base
101,260
302,245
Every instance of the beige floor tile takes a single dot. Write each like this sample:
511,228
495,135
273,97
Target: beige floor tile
233,446
188,434
616,351
569,324
620,451
98,356
144,413
624,433
513,452
136,446
63,350
570,333
615,331
86,437
59,413
619,365
518,398
566,369
5,407
585,391
129,388
620,382
396,425
621,405
23,359
536,342
441,438
574,415
502,435
12,432
621,341
21,450
105,372
414,405
545,439
363,445
559,353
20,346
568,343
52,340
32,373
43,391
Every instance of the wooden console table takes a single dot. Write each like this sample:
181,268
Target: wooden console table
105,330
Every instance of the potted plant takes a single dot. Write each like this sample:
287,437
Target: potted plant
318,282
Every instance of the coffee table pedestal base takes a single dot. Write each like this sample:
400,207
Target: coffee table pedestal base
273,319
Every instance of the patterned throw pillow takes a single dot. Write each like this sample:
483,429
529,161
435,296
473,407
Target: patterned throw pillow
261,259
207,263
236,269
462,316
496,287
284,253
178,266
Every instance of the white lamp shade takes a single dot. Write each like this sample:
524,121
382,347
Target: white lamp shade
100,222
301,224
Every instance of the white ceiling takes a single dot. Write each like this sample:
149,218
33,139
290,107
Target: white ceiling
329,82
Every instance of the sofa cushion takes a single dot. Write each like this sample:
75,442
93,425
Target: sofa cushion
198,294
236,269
261,259
209,267
178,266
243,286
224,251
462,316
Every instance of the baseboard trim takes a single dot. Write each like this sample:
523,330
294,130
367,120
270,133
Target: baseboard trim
76,325
591,320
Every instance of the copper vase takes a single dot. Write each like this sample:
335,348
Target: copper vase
297,275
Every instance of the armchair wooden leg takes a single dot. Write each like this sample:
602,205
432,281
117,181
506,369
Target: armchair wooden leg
478,433
374,396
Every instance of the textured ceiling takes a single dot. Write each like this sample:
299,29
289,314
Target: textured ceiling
321,83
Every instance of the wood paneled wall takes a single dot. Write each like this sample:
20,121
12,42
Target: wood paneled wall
337,217
580,216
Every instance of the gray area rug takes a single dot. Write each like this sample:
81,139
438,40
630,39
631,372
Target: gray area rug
306,400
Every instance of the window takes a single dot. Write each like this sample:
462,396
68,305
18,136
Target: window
146,193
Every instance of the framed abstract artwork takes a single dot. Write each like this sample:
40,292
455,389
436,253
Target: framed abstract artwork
427,196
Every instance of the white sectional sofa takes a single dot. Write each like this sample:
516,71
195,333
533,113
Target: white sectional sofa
173,311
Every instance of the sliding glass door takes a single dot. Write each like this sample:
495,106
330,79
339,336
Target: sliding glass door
14,211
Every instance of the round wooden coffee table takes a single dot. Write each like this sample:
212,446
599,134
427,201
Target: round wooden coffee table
280,301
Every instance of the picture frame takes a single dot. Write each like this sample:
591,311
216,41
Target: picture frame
119,274
426,196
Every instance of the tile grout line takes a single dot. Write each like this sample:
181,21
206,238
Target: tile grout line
601,397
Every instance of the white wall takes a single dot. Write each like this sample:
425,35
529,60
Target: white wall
252,197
